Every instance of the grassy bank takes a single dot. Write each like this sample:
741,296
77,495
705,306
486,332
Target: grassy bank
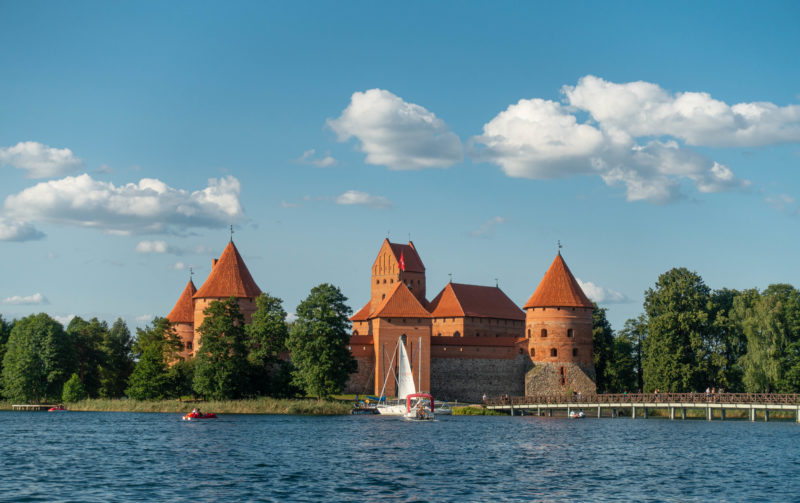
252,406
476,410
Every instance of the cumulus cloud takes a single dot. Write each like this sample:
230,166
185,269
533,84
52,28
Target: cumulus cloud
325,161
395,133
11,230
144,318
40,161
64,320
28,300
487,229
635,134
178,266
151,247
363,199
148,206
602,295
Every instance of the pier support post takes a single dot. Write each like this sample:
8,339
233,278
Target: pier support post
549,412
645,413
600,413
672,413
709,413
512,411
752,413
613,412
683,413
766,414
633,412
798,415
538,411
722,414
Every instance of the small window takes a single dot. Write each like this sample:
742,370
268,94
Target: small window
383,296
520,350
574,351
377,282
189,345
569,332
355,332
457,334
384,281
529,333
561,371
554,352
533,352
544,332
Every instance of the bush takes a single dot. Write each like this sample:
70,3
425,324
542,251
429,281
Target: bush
74,390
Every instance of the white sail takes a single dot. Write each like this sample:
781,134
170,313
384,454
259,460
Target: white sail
405,380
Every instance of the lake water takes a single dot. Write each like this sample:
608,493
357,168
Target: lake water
94,456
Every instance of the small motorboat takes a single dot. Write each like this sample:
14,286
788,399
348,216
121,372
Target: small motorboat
419,407
194,416
574,414
57,408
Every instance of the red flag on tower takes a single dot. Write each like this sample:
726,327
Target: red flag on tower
402,262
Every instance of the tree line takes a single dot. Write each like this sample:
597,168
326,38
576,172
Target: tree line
44,362
690,338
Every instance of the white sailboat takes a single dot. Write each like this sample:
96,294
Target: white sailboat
405,383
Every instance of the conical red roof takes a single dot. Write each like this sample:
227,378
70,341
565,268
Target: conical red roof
559,288
229,278
401,303
183,312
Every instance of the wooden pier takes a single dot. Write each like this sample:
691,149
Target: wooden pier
639,405
29,407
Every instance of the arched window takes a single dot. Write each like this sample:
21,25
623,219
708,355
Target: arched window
569,332
574,351
383,296
377,282
554,352
456,334
544,332
384,281
355,333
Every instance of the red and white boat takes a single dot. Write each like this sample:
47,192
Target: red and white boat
419,407
194,416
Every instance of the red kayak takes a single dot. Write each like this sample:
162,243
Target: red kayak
56,409
194,415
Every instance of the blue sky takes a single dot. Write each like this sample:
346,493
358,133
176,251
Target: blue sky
644,137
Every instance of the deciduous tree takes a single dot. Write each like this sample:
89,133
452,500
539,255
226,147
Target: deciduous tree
156,346
117,347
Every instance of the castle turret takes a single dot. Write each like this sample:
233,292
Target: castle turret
397,263
182,318
558,326
229,277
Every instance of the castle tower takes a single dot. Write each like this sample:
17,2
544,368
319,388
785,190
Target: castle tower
229,277
558,326
397,263
182,318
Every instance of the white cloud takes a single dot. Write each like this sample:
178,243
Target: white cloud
64,320
178,266
148,206
395,133
151,247
11,230
28,300
602,295
783,203
145,318
363,199
285,204
290,317
636,136
487,229
40,161
323,162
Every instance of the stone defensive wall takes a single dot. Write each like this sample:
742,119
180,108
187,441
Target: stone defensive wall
468,379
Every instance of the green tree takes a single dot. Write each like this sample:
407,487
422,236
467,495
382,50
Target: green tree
38,359
266,340
675,351
725,344
635,332
603,343
770,322
156,346
74,390
621,370
87,339
221,367
318,342
117,348
5,331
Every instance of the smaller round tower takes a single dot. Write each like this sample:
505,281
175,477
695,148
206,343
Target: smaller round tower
558,327
182,319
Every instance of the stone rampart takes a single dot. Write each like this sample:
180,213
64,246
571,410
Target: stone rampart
468,379
362,380
560,378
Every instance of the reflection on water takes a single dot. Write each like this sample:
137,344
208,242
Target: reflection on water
86,456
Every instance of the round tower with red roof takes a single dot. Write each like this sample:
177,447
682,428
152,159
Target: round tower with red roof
558,326
182,318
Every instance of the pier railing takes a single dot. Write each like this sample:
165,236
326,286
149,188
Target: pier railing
636,398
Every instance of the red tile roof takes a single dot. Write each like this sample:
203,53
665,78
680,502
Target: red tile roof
400,303
229,278
183,312
362,314
559,288
410,256
457,300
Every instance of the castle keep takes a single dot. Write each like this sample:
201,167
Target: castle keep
471,340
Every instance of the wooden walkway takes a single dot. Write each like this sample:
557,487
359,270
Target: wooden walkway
29,407
757,405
